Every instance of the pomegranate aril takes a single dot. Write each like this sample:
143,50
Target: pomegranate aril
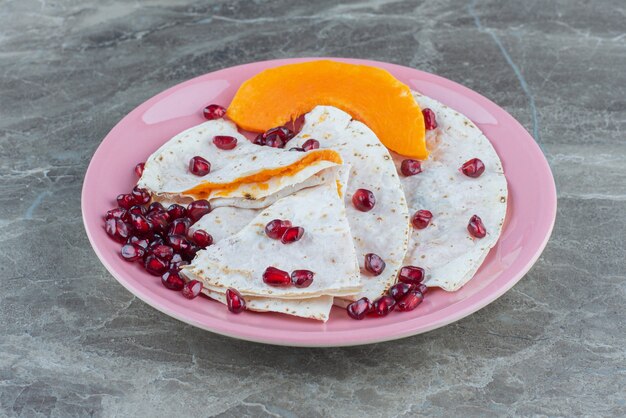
137,210
410,301
411,275
234,301
199,166
374,264
178,242
155,207
197,209
214,111
225,142
139,169
410,167
125,201
132,252
117,213
473,168
189,252
363,200
310,144
142,242
172,280
155,265
177,262
275,277
275,229
141,225
117,229
176,211
159,221
155,240
422,288
383,305
358,309
259,140
179,226
141,196
476,228
400,290
164,252
192,289
282,132
292,234
274,141
296,149
421,219
201,238
430,121
302,278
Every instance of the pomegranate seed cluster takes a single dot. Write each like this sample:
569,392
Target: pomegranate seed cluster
280,278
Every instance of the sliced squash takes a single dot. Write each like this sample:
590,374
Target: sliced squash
369,94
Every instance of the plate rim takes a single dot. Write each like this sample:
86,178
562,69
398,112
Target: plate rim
477,301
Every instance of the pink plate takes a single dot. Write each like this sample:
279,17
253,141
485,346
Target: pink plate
530,217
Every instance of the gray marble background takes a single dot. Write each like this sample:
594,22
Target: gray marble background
73,342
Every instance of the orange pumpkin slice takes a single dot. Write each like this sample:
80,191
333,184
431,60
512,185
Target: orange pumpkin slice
369,94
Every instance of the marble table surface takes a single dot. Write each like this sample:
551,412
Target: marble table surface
73,342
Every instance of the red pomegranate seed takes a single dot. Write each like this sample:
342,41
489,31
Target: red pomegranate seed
164,252
155,207
139,169
179,226
214,111
430,121
192,289
310,144
117,213
177,262
137,210
141,196
274,141
421,219
422,288
199,166
292,234
282,132
189,252
125,201
476,227
374,264
155,265
178,242
159,221
296,149
275,277
176,211
400,290
140,224
172,280
132,252
384,305
117,229
276,228
197,209
363,200
410,167
473,168
225,142
410,301
235,301
411,275
142,242
201,238
259,140
358,309
302,278
156,239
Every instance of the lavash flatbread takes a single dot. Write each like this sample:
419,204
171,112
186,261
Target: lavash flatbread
167,176
444,249
385,229
239,261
